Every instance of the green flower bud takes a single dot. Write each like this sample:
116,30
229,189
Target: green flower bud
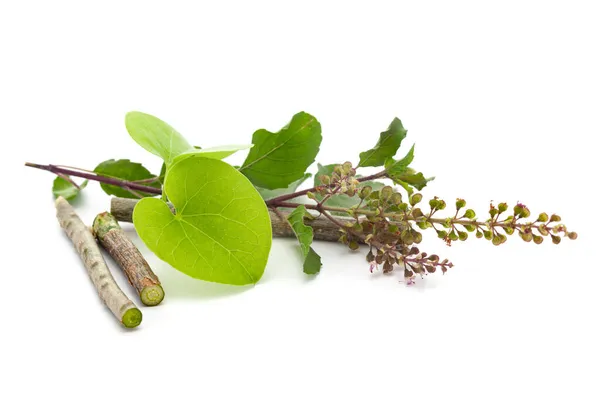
496,240
555,239
386,193
460,203
572,235
434,203
525,213
417,213
353,245
396,198
416,199
470,228
418,237
422,224
537,239
338,169
325,179
493,212
502,207
442,234
470,214
554,218
351,191
526,236
441,205
403,207
430,268
542,230
509,230
487,234
347,167
542,218
311,196
462,236
453,236
365,192
479,235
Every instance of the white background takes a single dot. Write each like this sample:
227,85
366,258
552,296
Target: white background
502,100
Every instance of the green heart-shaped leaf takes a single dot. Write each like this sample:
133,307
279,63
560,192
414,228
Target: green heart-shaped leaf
221,231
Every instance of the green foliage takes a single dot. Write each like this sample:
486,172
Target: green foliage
128,171
267,194
156,136
341,200
311,260
394,168
386,147
64,188
279,159
221,231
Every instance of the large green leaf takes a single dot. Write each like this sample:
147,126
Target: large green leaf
219,152
278,159
64,188
156,136
128,171
386,147
311,260
267,194
341,200
221,231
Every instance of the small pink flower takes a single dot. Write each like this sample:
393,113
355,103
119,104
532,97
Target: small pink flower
409,281
372,266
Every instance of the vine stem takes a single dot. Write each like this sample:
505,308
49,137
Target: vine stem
95,177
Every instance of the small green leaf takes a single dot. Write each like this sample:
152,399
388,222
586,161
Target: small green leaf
386,147
394,167
64,188
128,171
414,179
221,231
342,200
267,194
312,261
278,159
156,136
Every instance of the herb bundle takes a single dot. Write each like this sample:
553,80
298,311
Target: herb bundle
215,222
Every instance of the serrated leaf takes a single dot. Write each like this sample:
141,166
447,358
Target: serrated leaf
278,159
341,200
128,171
156,136
311,260
64,188
393,167
221,231
267,194
386,147
412,178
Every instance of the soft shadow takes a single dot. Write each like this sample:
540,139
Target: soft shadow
179,285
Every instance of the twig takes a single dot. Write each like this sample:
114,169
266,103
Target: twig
108,290
119,246
323,229
95,177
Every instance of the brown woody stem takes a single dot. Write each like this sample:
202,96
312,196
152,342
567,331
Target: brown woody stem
123,251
